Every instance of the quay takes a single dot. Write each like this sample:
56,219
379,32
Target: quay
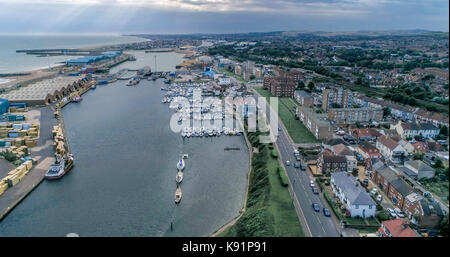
232,148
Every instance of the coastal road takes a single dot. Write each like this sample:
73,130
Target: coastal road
317,224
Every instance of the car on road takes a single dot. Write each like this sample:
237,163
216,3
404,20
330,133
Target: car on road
315,191
391,213
311,183
288,163
326,212
297,158
399,213
296,165
316,207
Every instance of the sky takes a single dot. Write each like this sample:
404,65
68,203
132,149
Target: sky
218,16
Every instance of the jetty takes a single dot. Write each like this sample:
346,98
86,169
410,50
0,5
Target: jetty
231,148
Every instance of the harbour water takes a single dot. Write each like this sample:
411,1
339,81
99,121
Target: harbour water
10,61
164,61
123,181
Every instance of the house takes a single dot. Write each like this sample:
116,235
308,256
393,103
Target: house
435,118
365,134
418,169
331,163
412,129
394,187
368,150
409,148
352,195
395,228
427,147
390,149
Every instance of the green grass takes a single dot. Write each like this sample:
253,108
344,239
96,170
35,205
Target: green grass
232,74
439,188
270,211
286,110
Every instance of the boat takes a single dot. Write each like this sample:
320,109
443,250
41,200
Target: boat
178,195
60,167
133,81
76,99
94,86
180,165
179,177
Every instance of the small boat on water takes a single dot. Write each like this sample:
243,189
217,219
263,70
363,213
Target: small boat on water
133,81
180,165
76,99
178,195
60,167
179,177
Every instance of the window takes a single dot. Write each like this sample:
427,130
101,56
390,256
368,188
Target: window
356,206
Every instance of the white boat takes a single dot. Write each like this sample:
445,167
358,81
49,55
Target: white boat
180,165
178,195
179,177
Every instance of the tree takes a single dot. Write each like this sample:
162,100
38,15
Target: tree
311,85
386,111
252,77
443,226
418,155
438,164
444,131
300,85
358,124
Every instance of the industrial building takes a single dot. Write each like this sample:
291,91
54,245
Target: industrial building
44,91
83,61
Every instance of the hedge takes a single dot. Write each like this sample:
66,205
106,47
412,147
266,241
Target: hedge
283,178
274,153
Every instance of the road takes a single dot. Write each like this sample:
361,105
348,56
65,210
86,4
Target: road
317,224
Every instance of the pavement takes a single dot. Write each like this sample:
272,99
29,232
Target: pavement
316,224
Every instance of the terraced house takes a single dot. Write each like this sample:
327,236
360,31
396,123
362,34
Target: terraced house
412,129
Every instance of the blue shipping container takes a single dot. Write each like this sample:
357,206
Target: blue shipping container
4,106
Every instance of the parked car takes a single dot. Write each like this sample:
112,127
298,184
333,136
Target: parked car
296,165
311,183
288,163
366,182
373,191
297,158
391,213
316,207
399,213
326,212
315,191
379,198
302,166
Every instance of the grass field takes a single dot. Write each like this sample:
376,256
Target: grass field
286,110
270,211
439,188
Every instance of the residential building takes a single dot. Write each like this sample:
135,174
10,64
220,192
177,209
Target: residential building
390,149
304,98
433,117
412,129
316,123
238,70
365,134
393,185
368,150
344,98
395,228
352,115
418,169
331,163
397,110
352,195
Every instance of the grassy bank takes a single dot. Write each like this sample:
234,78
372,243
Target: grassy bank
269,209
232,74
286,111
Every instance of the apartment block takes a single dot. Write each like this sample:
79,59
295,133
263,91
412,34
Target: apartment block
304,98
351,115
316,123
344,98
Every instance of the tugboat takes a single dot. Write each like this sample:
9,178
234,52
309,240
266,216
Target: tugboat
179,177
180,165
60,167
178,195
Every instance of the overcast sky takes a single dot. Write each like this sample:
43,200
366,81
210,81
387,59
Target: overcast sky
218,16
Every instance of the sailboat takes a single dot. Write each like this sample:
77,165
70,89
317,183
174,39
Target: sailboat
180,165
